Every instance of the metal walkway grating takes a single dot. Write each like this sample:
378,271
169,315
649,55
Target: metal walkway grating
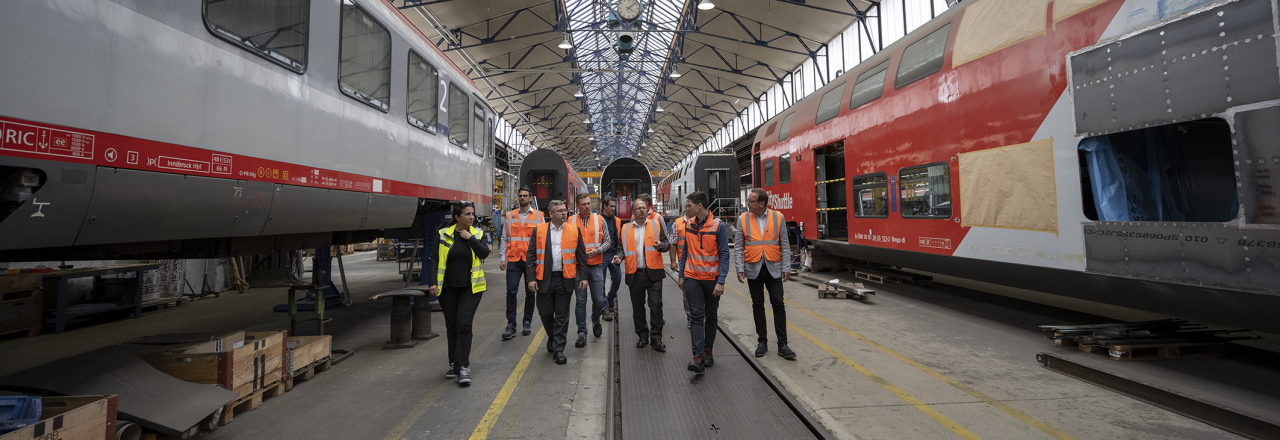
661,399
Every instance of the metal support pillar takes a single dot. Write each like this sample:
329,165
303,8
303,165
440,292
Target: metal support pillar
422,319
401,323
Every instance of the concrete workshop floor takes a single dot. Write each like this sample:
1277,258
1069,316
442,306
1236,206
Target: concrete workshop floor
909,363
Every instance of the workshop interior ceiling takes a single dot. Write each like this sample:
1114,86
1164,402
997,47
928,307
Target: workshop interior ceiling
726,58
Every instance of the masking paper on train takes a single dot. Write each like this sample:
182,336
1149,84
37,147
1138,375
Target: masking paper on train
991,25
1010,187
1066,8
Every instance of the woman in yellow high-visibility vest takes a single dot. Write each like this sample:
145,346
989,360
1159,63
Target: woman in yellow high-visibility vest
459,283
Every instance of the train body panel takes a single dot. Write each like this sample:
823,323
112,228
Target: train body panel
146,85
716,174
935,173
624,179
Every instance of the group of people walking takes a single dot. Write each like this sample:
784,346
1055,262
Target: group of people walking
560,255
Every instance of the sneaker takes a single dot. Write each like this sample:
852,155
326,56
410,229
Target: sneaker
596,329
609,314
509,333
452,373
786,352
464,376
582,340
761,349
708,360
526,331
696,365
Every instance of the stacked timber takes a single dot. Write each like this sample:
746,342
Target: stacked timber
1147,340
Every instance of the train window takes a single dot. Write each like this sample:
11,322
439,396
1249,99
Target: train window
871,192
785,131
459,132
274,29
923,57
1182,172
869,85
829,107
925,191
424,93
477,126
784,168
364,69
768,172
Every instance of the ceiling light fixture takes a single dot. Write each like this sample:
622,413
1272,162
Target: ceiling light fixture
659,108
567,45
706,5
674,73
578,94
650,129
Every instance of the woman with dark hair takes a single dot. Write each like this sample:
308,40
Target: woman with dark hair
459,284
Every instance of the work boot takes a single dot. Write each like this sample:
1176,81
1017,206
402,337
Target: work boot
582,340
708,360
761,349
596,329
527,330
786,352
696,365
608,313
659,346
509,333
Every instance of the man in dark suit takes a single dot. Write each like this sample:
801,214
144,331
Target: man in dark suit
559,258
643,243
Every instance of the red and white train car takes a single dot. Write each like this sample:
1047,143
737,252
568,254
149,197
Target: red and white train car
1121,151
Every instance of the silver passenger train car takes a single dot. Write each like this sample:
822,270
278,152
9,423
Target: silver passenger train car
221,127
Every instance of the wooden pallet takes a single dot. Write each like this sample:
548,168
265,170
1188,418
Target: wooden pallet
250,402
1183,350
20,333
307,373
164,303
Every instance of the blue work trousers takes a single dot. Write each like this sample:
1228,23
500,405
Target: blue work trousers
704,310
615,278
595,285
516,270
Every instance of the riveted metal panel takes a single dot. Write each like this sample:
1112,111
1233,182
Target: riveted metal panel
54,213
1206,254
389,212
1187,69
137,206
296,210
1257,135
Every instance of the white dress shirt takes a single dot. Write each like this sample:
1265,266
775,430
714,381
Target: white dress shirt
557,263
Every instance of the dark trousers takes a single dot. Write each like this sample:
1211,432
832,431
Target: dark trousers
515,271
704,308
459,306
553,307
765,280
615,279
646,290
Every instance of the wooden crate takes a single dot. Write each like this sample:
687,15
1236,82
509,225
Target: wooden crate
72,418
258,364
21,304
305,351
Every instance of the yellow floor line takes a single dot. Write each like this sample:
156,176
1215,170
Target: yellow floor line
921,406
500,402
1021,416
418,411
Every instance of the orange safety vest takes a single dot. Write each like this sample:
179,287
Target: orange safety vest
703,261
757,244
568,249
519,231
652,258
678,228
591,236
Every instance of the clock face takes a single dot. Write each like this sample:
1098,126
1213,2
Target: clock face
628,9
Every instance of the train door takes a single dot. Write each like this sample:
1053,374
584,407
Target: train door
829,192
543,183
626,194
720,190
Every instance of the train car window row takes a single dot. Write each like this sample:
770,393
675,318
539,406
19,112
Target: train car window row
871,196
923,57
784,168
275,30
785,131
925,191
424,93
829,106
768,172
869,86
364,66
458,102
